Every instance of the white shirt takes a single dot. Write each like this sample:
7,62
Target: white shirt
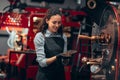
39,42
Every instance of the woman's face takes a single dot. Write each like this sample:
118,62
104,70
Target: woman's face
54,23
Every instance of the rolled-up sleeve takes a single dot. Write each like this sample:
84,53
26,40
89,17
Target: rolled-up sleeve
39,42
65,42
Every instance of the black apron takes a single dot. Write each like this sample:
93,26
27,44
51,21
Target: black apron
55,71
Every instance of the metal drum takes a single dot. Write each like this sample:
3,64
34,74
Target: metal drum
103,59
104,54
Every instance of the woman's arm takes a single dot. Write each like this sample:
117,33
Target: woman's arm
65,42
39,42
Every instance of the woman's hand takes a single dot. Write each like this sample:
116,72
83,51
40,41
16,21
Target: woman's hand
68,53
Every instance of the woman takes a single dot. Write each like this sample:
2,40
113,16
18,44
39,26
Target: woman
49,43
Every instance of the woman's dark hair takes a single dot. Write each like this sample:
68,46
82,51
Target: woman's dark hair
50,12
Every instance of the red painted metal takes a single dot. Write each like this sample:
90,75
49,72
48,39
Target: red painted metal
26,21
117,73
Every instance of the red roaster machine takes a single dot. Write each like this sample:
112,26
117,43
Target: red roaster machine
94,60
17,58
30,19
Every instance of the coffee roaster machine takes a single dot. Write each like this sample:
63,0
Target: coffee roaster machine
100,59
96,59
